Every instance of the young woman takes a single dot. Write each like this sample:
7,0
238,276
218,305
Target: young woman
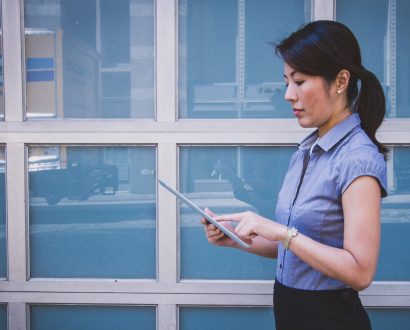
326,233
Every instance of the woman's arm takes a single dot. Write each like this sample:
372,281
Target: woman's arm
355,263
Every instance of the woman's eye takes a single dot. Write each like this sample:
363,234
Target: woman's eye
299,82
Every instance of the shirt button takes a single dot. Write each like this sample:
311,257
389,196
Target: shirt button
280,266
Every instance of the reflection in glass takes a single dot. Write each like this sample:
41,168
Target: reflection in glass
3,246
227,180
224,318
394,258
383,36
92,211
89,59
227,66
91,317
3,317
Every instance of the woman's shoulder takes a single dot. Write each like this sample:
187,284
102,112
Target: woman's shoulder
357,146
359,156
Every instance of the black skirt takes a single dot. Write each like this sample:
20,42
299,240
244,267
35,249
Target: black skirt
296,309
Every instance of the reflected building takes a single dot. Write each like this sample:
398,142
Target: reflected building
78,67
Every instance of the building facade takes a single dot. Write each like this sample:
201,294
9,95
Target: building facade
101,98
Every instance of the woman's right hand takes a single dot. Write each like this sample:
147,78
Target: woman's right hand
214,235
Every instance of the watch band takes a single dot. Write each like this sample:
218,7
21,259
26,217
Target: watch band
292,232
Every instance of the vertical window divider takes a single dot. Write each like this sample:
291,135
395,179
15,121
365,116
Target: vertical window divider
167,317
323,9
167,236
166,61
17,238
13,46
17,315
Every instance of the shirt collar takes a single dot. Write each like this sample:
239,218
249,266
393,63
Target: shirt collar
332,137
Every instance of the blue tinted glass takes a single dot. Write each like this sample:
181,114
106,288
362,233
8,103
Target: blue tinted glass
3,248
3,317
394,257
227,180
85,60
226,318
383,36
389,318
227,66
92,212
91,317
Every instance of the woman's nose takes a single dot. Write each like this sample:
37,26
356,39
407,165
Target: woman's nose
290,95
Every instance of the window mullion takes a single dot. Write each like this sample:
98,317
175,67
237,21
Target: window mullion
12,57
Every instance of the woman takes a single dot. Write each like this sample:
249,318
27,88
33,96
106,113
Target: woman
326,234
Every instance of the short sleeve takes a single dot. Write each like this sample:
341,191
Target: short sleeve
362,162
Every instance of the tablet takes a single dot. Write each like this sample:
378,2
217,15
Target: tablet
193,206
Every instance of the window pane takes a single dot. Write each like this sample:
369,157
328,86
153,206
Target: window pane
383,36
394,259
389,318
224,318
227,67
92,212
227,180
92,317
89,61
3,317
3,246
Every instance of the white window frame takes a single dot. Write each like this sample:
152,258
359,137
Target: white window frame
167,133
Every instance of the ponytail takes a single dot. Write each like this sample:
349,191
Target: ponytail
370,104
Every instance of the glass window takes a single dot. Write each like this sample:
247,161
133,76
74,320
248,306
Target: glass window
389,318
3,242
393,260
92,211
223,318
227,180
383,36
89,59
92,317
227,66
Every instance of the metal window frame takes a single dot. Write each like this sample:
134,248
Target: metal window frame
167,133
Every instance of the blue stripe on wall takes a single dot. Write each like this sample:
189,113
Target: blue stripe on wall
40,63
46,75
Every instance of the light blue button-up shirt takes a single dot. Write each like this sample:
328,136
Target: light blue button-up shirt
315,208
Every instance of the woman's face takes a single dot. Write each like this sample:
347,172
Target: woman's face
314,102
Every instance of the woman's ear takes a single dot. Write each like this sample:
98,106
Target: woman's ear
342,81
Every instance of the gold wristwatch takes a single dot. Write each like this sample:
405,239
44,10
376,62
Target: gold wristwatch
292,232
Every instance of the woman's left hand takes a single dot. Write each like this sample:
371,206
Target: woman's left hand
251,225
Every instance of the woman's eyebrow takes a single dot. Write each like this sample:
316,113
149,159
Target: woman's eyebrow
292,73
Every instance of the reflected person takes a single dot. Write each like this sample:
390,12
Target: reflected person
257,192
326,233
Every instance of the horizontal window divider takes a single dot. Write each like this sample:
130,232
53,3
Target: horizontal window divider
124,298
103,298
147,286
392,130
275,137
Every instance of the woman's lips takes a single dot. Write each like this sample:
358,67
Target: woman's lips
297,112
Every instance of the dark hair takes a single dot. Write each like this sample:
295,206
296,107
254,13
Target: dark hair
324,48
